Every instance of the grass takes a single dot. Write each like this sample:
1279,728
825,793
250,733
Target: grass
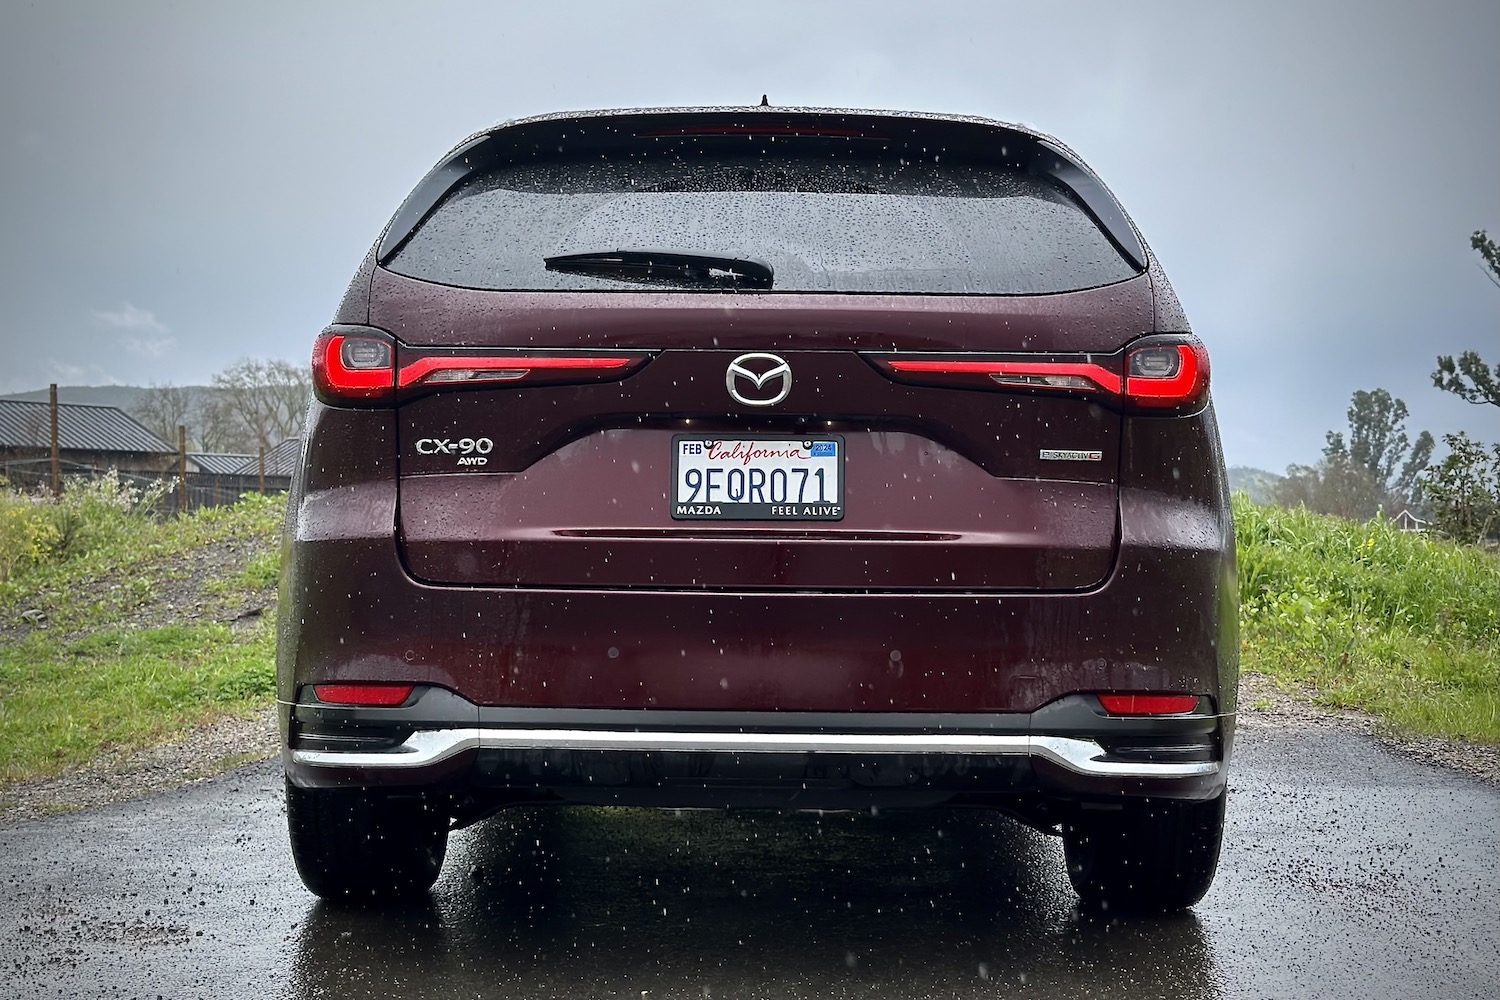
115,626
1404,626
123,688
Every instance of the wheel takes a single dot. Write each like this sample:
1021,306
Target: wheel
363,844
1153,856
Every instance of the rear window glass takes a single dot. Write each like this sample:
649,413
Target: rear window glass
842,226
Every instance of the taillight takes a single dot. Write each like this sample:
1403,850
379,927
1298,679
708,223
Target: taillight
1148,704
1166,373
1071,375
362,366
438,370
1163,373
354,367
364,695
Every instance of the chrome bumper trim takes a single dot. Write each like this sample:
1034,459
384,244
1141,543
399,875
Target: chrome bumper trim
1082,756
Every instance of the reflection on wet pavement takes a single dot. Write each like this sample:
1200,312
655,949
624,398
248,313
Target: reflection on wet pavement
588,903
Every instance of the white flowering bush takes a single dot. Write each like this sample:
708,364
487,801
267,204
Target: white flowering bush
96,510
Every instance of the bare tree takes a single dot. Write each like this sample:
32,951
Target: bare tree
266,399
163,407
219,428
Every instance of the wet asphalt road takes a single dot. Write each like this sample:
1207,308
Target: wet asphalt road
1347,873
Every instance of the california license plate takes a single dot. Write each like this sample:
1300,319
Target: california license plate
757,479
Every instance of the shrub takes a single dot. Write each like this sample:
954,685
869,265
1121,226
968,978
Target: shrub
28,534
1463,492
95,512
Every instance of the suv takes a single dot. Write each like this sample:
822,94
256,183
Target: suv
760,458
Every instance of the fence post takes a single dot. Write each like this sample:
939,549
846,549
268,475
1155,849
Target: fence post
56,451
181,470
262,470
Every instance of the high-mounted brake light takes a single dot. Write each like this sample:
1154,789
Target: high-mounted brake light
1148,704
694,131
364,695
355,368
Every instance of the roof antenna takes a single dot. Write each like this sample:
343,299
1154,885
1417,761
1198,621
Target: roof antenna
763,102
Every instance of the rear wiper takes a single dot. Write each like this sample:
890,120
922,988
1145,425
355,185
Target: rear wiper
667,266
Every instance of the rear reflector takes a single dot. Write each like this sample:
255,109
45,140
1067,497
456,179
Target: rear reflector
1148,704
364,695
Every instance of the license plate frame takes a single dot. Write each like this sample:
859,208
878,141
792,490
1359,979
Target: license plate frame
766,453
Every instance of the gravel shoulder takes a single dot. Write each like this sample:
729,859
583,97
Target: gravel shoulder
1268,704
231,742
205,752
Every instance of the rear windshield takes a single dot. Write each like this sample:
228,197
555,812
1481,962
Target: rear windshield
917,227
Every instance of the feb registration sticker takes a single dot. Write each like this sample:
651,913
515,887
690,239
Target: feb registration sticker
757,479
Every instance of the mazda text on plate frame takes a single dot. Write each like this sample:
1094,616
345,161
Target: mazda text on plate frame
760,458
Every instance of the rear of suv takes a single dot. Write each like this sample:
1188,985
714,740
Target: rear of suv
760,458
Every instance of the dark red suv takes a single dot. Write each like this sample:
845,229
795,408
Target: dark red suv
753,457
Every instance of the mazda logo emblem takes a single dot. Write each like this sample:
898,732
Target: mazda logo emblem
752,377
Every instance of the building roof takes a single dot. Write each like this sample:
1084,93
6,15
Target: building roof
80,427
219,463
280,460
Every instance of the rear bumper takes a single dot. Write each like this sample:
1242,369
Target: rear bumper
1067,750
432,747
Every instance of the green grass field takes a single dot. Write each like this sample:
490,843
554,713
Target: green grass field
1404,626
118,630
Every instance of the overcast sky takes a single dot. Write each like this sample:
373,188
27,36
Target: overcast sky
187,184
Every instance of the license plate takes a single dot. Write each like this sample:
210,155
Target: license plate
757,479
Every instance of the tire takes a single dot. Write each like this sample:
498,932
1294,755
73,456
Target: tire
364,845
1153,856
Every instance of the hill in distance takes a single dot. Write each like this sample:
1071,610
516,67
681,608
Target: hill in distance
1258,484
124,396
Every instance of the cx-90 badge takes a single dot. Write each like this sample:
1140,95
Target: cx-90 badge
752,378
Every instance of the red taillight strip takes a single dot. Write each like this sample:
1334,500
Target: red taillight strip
1174,391
364,695
1148,704
1105,379
1184,390
341,381
424,368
